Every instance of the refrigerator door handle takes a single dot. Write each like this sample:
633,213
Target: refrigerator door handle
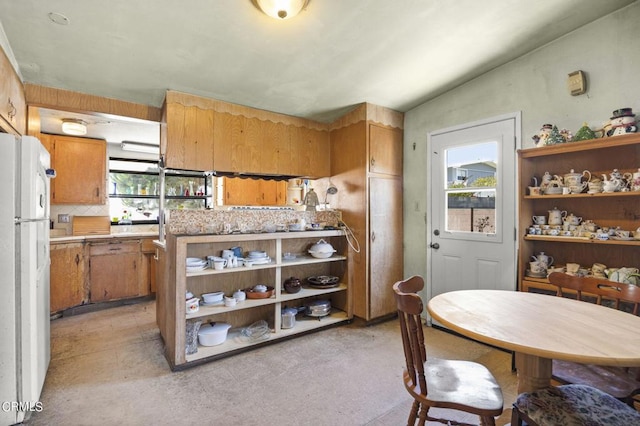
18,220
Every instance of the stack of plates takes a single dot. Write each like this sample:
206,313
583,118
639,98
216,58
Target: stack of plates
258,257
323,281
195,264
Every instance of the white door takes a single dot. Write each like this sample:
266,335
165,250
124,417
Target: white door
472,194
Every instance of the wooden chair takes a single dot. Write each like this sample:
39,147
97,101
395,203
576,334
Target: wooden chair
622,383
458,385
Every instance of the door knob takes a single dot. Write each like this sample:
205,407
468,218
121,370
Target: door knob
434,246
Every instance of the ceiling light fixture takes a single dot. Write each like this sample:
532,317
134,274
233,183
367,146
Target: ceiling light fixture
73,126
281,9
140,147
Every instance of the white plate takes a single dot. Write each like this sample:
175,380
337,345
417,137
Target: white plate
220,302
196,268
261,261
615,237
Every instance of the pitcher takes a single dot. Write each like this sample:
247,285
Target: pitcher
556,216
543,258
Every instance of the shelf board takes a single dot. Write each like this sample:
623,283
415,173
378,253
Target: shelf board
206,311
209,271
306,260
581,240
593,144
235,341
583,195
310,292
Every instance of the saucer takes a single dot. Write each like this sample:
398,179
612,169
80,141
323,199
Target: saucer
615,237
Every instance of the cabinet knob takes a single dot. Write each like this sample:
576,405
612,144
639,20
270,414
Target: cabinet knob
373,162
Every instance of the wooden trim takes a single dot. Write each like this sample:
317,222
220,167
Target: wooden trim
371,113
50,97
187,100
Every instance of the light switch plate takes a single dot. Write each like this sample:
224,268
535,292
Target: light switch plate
577,83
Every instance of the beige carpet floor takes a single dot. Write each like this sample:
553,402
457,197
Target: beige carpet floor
108,368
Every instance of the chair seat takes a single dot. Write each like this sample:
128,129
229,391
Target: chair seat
615,381
459,385
575,405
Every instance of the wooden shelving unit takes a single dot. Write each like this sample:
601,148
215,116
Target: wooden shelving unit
172,316
600,157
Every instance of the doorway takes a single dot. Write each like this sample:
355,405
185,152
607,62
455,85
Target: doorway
472,197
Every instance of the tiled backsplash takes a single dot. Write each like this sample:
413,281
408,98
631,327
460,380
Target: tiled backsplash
246,221
75,210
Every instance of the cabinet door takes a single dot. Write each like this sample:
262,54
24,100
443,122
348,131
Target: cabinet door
67,283
229,143
385,242
80,164
189,138
116,276
241,192
12,102
274,152
310,152
385,150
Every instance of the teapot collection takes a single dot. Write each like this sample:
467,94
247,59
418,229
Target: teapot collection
541,265
559,223
576,182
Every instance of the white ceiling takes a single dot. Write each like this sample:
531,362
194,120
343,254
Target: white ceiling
335,54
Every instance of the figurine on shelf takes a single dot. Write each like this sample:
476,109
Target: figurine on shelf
555,137
541,138
566,135
622,122
584,133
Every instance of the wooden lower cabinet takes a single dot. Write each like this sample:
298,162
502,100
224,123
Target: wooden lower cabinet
115,270
101,271
68,283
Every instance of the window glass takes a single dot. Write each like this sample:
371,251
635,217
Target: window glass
134,191
470,191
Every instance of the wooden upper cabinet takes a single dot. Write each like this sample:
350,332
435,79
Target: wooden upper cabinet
229,143
190,136
385,150
13,105
275,152
80,165
310,155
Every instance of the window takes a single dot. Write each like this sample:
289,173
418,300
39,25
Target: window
134,190
471,188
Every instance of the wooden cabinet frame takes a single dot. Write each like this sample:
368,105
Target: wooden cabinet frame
172,316
599,156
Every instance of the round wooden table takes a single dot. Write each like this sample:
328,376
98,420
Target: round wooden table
539,328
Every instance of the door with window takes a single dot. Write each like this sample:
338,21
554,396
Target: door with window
471,231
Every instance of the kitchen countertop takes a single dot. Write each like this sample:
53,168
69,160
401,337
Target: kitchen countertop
119,235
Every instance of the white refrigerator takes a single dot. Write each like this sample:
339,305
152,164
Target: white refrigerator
24,275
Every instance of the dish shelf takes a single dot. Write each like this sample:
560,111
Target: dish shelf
582,240
171,312
236,342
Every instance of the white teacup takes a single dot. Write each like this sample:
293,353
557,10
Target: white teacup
623,234
573,268
219,264
539,220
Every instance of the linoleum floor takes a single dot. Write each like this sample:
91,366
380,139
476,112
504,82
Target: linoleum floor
107,367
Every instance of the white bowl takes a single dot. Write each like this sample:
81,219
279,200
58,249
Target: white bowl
213,334
321,254
215,297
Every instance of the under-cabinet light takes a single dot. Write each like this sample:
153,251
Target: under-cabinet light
140,147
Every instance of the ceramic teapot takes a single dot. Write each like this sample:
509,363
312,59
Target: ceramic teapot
543,259
556,216
573,178
572,219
